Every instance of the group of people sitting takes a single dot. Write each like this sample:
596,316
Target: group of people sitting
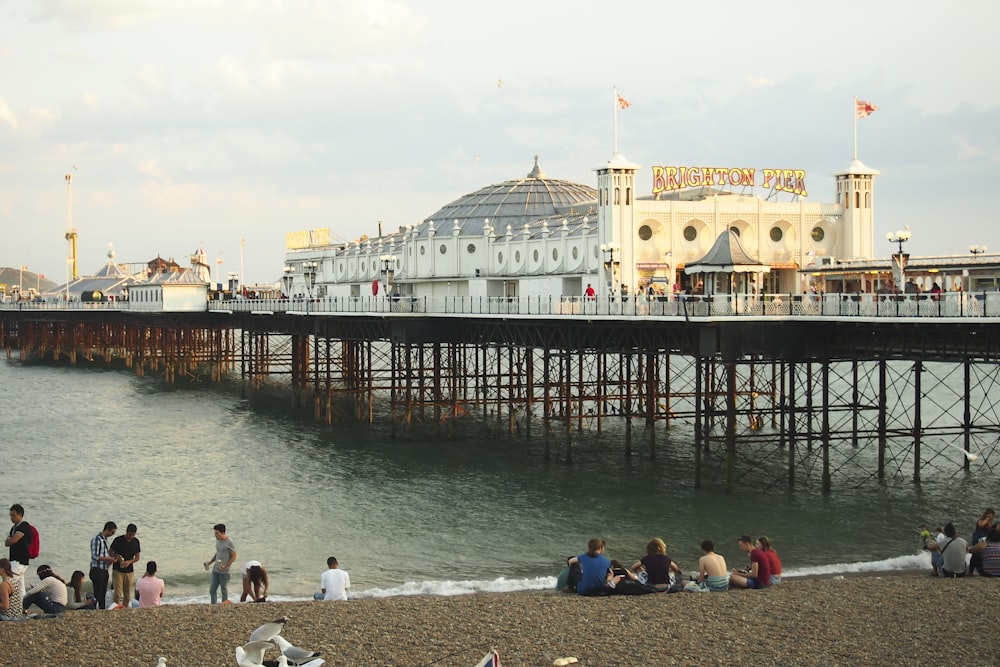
949,551
593,573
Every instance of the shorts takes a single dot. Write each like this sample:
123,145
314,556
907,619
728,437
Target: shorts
753,583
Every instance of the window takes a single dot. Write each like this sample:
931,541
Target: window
645,232
735,231
777,234
534,255
517,256
555,254
423,250
690,233
575,252
818,234
499,258
471,248
443,249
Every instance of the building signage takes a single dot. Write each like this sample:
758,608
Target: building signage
668,179
312,238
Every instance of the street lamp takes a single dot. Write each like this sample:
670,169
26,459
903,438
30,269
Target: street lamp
609,250
388,265
287,279
309,269
977,250
899,238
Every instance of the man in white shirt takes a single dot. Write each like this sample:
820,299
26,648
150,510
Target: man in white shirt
334,582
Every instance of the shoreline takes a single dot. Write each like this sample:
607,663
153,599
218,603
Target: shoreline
885,618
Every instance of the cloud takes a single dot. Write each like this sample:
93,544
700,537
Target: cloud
760,82
6,115
969,151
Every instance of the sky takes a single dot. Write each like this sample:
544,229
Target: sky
224,125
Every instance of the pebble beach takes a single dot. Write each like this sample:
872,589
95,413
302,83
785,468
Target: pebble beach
895,619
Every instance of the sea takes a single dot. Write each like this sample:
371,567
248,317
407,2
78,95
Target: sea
478,510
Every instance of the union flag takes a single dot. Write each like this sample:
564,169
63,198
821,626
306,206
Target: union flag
864,109
622,102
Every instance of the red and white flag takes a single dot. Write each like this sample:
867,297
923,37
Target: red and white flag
864,109
622,102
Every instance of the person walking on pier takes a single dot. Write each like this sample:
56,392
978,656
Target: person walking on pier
225,555
100,560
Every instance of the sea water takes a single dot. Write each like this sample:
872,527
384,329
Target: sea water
479,511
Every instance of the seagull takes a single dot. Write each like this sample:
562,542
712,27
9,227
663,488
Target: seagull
268,631
972,456
252,654
161,661
295,654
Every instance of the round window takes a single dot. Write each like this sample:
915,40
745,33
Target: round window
423,250
735,231
517,256
534,255
690,233
471,248
443,249
645,232
818,234
777,234
499,258
575,252
555,254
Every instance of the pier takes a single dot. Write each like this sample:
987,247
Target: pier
836,390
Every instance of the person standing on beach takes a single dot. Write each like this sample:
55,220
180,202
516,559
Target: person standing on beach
126,549
255,582
759,574
334,582
19,536
713,573
100,560
149,589
225,555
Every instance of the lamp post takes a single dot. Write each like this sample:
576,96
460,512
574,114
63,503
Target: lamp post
977,250
287,279
309,269
388,265
899,238
609,250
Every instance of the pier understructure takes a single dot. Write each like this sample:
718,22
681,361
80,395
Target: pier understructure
767,403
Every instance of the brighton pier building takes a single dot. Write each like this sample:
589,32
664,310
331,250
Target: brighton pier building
543,237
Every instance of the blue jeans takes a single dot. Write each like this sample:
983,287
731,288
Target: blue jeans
43,602
219,580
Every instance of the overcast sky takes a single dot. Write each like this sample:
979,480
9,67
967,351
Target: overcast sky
190,123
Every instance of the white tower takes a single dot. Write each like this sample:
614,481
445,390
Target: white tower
616,225
855,193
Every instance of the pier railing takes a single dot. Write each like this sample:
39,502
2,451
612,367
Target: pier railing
950,304
946,304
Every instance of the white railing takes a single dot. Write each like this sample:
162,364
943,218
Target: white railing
948,304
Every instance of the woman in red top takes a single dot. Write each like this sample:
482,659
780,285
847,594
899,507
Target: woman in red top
764,545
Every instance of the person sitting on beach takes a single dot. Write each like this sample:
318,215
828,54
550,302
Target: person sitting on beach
764,544
149,589
713,573
49,594
660,569
952,551
595,569
255,578
983,525
75,597
989,553
627,582
11,592
759,573
333,583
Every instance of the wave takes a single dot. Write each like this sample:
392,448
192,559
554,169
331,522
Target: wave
445,588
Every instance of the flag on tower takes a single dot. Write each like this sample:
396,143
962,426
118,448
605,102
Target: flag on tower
864,109
622,102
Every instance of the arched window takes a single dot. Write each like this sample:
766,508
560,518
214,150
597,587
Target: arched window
857,200
618,196
628,196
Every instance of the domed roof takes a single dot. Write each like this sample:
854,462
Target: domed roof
513,203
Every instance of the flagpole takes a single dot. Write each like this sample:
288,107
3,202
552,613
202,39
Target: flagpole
855,127
614,117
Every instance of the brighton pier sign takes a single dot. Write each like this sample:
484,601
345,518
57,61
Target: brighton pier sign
668,179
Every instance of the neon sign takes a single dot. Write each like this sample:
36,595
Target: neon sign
668,179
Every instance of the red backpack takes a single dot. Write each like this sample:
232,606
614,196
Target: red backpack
34,543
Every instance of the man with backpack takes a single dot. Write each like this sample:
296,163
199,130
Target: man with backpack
20,536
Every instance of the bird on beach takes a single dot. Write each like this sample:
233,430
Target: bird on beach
161,661
268,631
296,655
252,654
